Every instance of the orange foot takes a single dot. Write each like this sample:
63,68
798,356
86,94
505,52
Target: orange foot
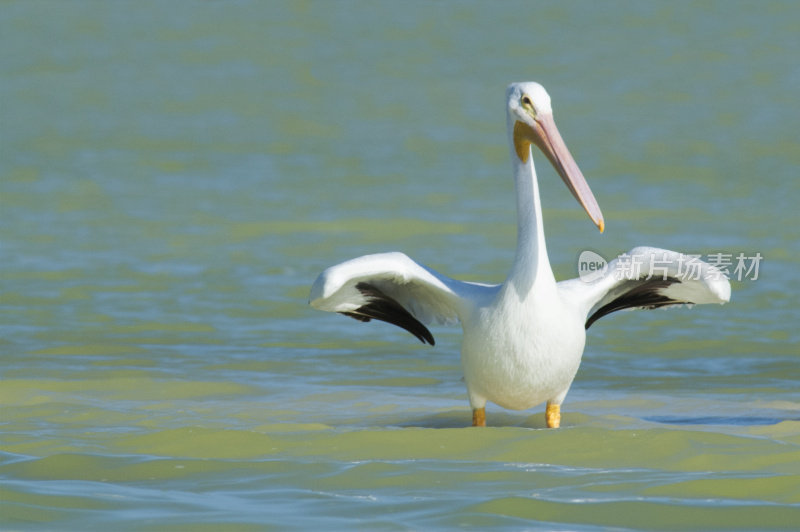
552,415
479,417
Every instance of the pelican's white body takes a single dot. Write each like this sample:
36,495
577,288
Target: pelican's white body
522,349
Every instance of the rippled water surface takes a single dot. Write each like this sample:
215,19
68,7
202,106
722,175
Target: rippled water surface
174,175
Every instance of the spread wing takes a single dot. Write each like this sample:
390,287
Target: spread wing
393,288
647,278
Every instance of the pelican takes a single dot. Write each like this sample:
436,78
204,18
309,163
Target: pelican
522,339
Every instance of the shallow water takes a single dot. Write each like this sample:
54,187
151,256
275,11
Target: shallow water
173,176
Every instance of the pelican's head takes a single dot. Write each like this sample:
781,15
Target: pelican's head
530,119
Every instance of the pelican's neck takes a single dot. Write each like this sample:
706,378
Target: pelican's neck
531,266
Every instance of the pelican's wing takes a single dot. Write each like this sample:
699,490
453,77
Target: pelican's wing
393,288
647,278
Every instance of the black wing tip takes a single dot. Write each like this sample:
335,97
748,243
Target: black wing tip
644,295
381,307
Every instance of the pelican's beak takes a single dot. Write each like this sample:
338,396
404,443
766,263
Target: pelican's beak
547,138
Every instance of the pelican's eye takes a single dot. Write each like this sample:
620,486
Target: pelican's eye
527,104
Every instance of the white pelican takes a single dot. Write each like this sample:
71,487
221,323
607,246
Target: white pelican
523,339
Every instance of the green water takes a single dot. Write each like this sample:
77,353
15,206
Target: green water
174,175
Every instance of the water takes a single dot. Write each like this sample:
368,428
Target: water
173,176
